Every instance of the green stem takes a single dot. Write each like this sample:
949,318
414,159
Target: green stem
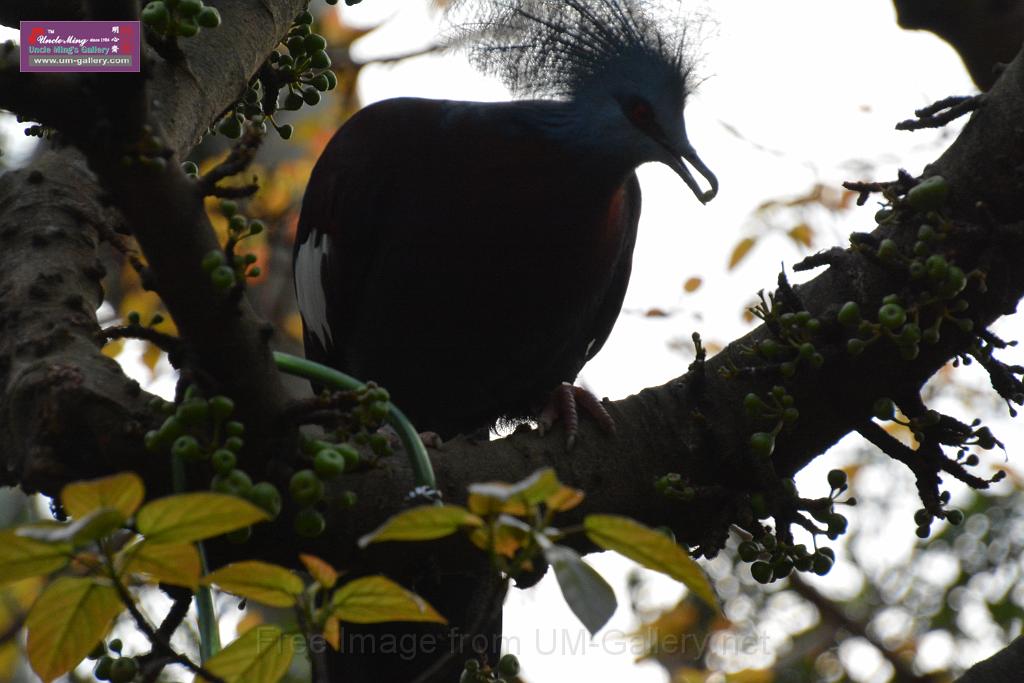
209,634
423,472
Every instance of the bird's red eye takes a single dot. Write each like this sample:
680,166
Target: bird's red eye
640,113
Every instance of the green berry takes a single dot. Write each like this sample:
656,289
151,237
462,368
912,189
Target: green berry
787,369
236,483
332,79
221,407
922,517
190,169
753,404
234,443
320,82
351,456
849,314
508,665
315,42
822,564
222,278
304,17
762,444
187,28
761,571
155,14
237,223
883,408
212,260
208,17
827,552
311,96
309,523
836,479
234,428
265,495
882,215
170,430
320,60
955,517
193,411
228,208
305,487
256,227
888,251
929,194
285,131
892,316
103,667
223,461
748,551
328,463
189,8
782,568
292,101
348,499
187,449
231,127
116,645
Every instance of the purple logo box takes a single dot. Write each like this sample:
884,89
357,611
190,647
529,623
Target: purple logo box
80,46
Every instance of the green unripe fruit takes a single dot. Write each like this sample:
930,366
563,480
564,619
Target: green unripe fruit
748,551
151,441
379,444
305,487
315,42
332,80
787,369
304,17
892,316
189,168
309,523
237,223
348,499
882,215
234,428
955,517
930,336
230,127
256,227
761,571
116,645
222,278
782,568
753,404
187,448
265,496
806,350
922,532
954,283
929,194
221,407
228,208
193,411
212,260
311,96
821,564
328,463
916,269
189,8
762,444
233,443
285,131
187,28
910,334
155,14
320,82
790,415
208,17
883,408
102,670
888,251
508,665
922,517
292,101
223,461
836,479
171,429
235,483
827,552
295,46
849,314
910,352
925,232
351,456
320,60
836,523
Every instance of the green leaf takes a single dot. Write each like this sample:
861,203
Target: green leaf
70,617
173,563
651,549
263,582
93,525
260,655
191,517
515,499
373,599
422,523
124,492
588,595
22,557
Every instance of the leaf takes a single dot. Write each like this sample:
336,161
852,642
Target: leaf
124,492
741,250
322,572
515,499
565,498
22,557
191,517
422,523
173,563
263,582
373,599
692,284
93,525
260,655
68,619
509,535
332,632
802,234
588,595
651,549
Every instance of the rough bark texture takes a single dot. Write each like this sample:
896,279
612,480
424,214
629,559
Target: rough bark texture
66,411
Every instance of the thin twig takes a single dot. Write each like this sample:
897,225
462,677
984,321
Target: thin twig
942,112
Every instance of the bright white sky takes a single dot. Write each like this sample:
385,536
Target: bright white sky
814,89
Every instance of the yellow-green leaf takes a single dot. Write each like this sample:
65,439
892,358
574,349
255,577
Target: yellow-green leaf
191,517
22,557
373,599
93,525
263,582
514,499
565,498
422,523
651,549
173,563
67,621
124,492
332,632
802,234
588,595
322,572
260,655
741,250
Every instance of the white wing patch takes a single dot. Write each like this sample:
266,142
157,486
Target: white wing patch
309,285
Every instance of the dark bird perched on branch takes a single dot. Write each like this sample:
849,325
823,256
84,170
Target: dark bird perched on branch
470,256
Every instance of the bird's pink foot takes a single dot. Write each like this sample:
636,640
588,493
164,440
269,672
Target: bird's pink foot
564,404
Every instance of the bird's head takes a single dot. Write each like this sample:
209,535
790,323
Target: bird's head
627,74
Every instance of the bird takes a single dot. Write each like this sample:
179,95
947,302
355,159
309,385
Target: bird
471,257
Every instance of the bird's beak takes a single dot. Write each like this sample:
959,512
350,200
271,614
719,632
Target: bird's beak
677,162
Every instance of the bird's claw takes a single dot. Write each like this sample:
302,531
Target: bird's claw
564,404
